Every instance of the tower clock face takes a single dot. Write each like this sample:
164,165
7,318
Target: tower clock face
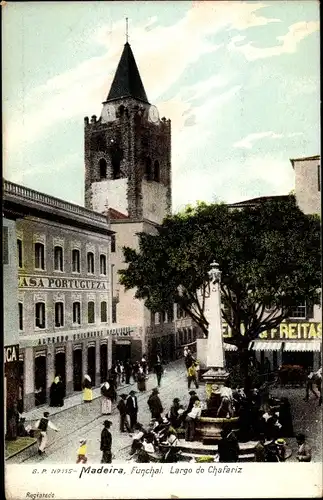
153,114
108,113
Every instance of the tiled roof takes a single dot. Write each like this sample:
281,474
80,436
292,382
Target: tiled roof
255,201
115,214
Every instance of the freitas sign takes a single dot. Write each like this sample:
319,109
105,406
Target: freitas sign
287,331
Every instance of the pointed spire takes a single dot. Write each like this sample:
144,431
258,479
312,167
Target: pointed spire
127,81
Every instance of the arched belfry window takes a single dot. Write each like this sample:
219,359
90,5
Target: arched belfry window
116,155
148,170
156,171
103,169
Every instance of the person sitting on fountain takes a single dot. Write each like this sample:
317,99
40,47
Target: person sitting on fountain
191,418
225,409
193,397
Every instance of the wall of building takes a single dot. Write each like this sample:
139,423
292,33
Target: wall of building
10,325
112,194
46,352
128,309
10,281
154,199
307,183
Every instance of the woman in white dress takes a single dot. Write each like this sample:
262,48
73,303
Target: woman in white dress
106,404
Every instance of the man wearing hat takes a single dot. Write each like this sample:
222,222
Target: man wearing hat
42,425
123,413
106,443
155,405
132,408
281,449
193,397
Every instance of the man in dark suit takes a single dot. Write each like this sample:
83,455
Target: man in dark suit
132,408
123,413
155,405
106,443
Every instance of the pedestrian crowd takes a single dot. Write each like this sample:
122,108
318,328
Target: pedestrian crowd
263,419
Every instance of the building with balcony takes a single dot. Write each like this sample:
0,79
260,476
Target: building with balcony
62,305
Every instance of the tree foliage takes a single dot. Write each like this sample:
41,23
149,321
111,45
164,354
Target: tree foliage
269,255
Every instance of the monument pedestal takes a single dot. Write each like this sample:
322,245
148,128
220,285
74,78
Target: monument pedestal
215,378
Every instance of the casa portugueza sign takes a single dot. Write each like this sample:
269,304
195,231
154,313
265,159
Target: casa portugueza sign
11,353
53,283
287,331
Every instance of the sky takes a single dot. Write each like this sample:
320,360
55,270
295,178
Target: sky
239,81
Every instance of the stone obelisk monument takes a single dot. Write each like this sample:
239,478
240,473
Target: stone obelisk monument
216,374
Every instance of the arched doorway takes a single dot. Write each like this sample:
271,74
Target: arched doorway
60,366
122,350
77,368
91,363
40,378
103,362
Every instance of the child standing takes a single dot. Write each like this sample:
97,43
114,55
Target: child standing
81,452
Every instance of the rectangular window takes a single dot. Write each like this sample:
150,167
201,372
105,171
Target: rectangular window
179,311
91,312
39,256
298,312
113,243
21,316
103,265
76,261
5,247
58,259
170,315
114,311
104,312
59,314
319,178
90,262
40,315
76,313
19,253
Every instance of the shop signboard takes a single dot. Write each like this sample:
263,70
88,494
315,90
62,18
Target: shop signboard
286,331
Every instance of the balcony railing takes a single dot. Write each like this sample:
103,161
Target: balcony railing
12,189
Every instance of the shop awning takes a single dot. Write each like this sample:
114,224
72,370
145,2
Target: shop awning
259,345
310,346
230,347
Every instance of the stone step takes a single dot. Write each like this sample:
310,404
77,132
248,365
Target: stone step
247,457
211,449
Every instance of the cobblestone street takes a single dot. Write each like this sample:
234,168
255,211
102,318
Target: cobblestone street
85,420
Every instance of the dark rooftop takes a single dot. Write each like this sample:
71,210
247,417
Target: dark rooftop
256,201
127,81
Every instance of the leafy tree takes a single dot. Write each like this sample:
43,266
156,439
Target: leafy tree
269,255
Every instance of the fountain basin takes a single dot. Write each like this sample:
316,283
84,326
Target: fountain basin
207,428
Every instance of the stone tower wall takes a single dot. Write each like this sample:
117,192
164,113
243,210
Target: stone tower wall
139,139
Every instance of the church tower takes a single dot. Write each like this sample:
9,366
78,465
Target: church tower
128,151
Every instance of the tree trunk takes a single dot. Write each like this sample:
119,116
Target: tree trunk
244,369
